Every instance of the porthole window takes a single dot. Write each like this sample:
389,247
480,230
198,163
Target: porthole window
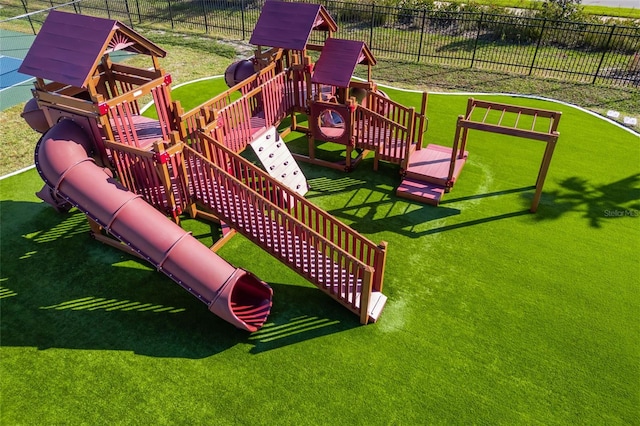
331,123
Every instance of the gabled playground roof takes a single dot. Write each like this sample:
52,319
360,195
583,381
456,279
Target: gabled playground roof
69,47
288,25
338,61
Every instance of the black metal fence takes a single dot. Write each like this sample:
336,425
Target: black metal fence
569,51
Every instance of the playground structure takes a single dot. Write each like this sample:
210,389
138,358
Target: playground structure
128,173
430,175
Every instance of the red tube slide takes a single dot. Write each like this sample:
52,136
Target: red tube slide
231,293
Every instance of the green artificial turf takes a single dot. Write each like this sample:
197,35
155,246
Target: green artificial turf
495,315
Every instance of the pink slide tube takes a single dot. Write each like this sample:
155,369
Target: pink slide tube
231,293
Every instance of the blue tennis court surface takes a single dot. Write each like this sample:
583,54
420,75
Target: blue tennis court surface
9,75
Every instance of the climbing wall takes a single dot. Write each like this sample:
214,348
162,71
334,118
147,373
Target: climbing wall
278,161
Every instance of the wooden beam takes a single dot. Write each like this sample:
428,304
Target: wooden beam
542,174
509,131
515,108
454,150
380,263
141,72
69,103
365,295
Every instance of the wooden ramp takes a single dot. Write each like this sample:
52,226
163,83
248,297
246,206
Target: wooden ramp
325,264
427,174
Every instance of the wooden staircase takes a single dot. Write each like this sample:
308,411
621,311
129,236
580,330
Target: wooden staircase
427,175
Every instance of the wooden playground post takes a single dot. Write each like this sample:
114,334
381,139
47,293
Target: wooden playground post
104,120
410,134
542,173
161,161
180,125
108,74
454,151
349,127
204,147
365,295
217,128
423,126
465,130
380,264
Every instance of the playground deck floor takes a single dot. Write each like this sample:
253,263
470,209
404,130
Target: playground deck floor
434,162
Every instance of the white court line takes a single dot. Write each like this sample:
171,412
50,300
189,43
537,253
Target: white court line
29,79
17,172
18,84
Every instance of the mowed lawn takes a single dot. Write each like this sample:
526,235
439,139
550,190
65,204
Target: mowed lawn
495,315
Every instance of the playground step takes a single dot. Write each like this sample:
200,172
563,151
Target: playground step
376,305
424,192
431,164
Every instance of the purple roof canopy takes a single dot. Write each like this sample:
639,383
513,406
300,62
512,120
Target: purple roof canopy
338,61
288,25
69,47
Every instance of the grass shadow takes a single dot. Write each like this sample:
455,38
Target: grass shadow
369,203
300,314
487,194
597,202
60,289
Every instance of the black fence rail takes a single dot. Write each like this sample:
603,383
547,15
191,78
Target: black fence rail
569,51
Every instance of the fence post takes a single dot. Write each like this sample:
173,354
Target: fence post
204,13
126,6
604,52
373,17
138,10
475,43
170,13
26,11
242,17
106,3
424,19
535,54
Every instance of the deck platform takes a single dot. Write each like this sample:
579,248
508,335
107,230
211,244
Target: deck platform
431,164
427,175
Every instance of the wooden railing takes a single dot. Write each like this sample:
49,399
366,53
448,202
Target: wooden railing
264,106
319,260
157,175
400,114
190,121
298,90
164,108
389,140
235,122
373,255
278,98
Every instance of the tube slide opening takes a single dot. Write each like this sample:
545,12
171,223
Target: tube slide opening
251,301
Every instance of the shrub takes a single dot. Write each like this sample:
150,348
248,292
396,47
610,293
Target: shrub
359,13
